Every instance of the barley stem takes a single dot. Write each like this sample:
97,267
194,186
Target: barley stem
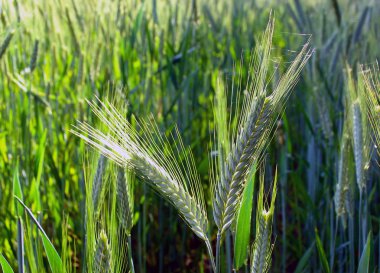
332,254
131,265
351,246
228,251
218,238
360,222
211,255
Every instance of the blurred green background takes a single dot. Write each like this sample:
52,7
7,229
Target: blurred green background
165,57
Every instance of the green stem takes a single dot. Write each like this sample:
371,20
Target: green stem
332,254
364,216
351,246
132,267
360,222
228,252
218,252
211,255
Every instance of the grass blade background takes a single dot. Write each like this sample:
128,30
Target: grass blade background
366,255
302,264
53,257
5,265
20,246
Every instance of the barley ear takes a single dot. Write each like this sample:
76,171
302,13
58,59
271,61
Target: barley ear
6,43
357,111
33,59
262,248
124,195
343,191
102,257
98,184
371,78
255,122
222,148
167,166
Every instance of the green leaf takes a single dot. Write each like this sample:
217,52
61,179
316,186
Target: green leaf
20,246
364,259
35,192
304,260
40,155
243,226
54,259
5,265
17,191
321,253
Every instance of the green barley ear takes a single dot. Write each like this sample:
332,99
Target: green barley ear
89,168
371,78
124,206
33,59
222,145
5,43
262,248
343,197
357,132
357,111
102,257
98,184
323,112
240,146
124,198
67,263
149,153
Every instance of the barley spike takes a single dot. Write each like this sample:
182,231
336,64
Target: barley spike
102,257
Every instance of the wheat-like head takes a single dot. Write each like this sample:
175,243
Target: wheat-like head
262,248
124,194
371,77
239,147
5,43
152,157
98,184
343,191
102,257
357,112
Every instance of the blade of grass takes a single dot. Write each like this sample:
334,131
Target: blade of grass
243,227
305,259
39,167
364,259
321,253
17,191
53,257
20,246
5,265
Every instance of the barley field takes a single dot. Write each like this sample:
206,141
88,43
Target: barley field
212,136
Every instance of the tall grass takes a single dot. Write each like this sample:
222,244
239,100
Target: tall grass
167,60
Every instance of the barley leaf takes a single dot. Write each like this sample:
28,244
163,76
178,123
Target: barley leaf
17,191
364,259
5,265
41,153
39,167
321,253
243,226
53,257
305,259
